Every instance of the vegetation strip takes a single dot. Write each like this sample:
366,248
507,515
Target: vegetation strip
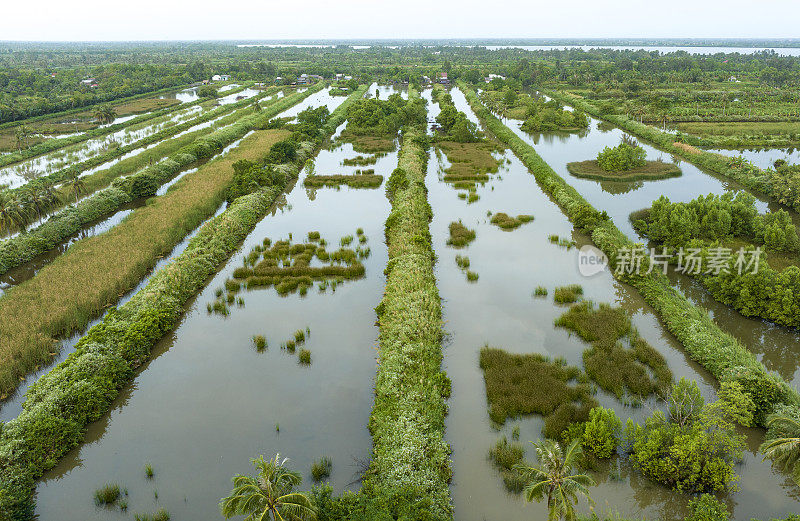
81,389
719,352
25,246
410,468
54,144
91,274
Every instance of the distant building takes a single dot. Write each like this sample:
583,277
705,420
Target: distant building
491,77
220,77
90,82
307,79
443,78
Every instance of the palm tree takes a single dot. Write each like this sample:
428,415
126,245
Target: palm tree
785,450
554,479
76,184
269,495
105,114
11,212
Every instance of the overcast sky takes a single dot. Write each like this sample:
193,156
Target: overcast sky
268,19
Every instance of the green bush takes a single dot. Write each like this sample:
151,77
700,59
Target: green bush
601,434
707,508
621,158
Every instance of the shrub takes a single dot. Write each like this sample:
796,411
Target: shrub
601,435
707,508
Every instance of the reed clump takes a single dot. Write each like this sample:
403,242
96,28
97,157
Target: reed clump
260,342
107,495
321,469
304,357
460,235
363,179
540,291
504,456
568,294
507,222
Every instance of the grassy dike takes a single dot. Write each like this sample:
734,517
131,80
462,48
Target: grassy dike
720,353
51,145
90,276
25,246
749,176
81,389
410,468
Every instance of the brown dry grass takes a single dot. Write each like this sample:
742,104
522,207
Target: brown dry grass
688,148
96,271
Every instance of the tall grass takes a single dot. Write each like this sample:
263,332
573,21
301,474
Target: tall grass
107,495
460,235
507,222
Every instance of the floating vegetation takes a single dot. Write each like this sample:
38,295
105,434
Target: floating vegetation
567,294
460,235
361,160
161,515
540,291
561,241
470,163
321,469
506,222
288,268
517,385
304,357
299,337
504,456
462,262
107,495
472,197
361,179
289,345
148,471
620,360
472,276
260,342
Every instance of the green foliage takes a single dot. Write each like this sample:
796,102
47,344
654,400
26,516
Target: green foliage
602,433
506,222
207,91
454,124
548,116
622,157
505,457
694,449
107,495
567,294
304,357
707,508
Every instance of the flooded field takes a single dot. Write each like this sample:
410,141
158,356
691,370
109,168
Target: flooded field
276,404
501,311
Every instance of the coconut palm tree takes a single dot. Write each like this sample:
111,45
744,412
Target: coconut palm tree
105,114
76,184
784,450
11,211
269,495
555,480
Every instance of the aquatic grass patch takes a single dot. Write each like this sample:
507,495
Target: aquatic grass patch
508,223
472,276
160,515
304,357
107,495
650,171
462,262
260,342
620,360
567,294
321,469
148,471
469,162
361,160
286,266
519,385
540,291
460,235
505,456
358,180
